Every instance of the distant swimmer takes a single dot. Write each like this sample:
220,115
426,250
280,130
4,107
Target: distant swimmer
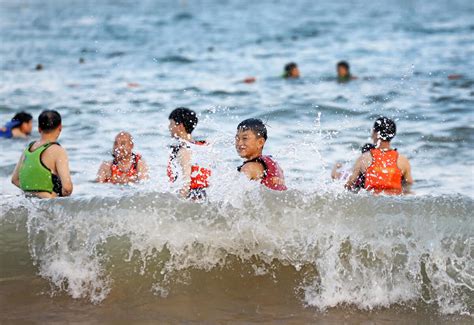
126,167
343,72
385,170
249,142
249,80
20,126
187,164
39,67
43,169
291,71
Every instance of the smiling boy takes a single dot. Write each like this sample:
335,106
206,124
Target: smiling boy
249,142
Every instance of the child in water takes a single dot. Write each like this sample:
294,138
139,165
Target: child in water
20,126
187,164
126,167
249,142
344,72
384,169
291,71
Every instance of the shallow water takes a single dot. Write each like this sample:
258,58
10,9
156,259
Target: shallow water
312,254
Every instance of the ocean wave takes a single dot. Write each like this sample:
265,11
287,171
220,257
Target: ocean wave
332,249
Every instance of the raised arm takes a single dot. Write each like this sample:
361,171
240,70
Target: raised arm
62,168
360,167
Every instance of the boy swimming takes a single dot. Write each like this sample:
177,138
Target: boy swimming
126,167
291,71
344,72
20,126
385,170
186,164
249,142
43,169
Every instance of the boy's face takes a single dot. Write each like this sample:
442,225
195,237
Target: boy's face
175,129
26,127
123,146
248,145
342,72
295,72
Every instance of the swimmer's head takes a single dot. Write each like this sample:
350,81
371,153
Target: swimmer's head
49,121
182,122
123,145
250,138
291,70
367,147
384,129
343,70
25,120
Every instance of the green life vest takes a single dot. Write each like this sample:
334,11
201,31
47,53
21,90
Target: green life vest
34,175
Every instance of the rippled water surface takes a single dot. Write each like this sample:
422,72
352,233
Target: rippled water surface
313,249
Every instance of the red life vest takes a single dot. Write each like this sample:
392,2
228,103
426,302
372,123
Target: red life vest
199,174
131,173
273,176
383,175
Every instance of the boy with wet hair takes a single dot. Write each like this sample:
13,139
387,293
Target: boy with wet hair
43,169
249,142
385,170
291,71
20,126
187,164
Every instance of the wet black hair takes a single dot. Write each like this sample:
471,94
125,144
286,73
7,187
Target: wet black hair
367,147
185,116
288,67
22,117
49,120
255,125
344,64
386,128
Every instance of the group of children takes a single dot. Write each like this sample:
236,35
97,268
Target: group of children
43,168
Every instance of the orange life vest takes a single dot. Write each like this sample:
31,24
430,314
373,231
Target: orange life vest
383,175
199,175
132,172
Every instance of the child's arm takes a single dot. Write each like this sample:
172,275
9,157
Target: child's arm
360,167
405,167
253,170
185,161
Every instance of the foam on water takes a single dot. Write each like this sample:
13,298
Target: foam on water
341,249
367,251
